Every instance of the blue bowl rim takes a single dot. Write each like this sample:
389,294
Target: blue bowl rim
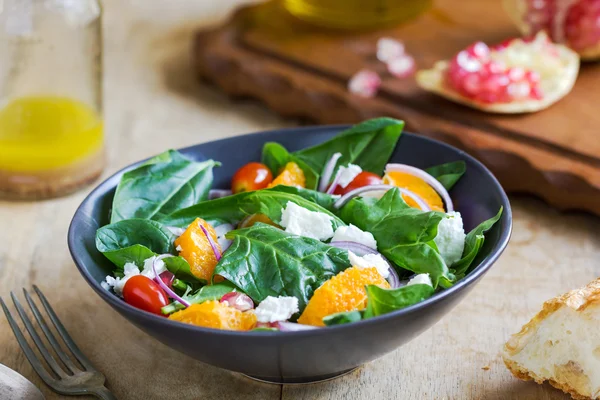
471,278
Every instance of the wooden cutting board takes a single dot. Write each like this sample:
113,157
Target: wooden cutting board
301,71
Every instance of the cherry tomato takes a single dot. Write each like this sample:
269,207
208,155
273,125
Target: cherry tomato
252,176
362,179
143,293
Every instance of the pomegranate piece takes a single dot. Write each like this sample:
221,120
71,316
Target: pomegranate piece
402,67
575,23
240,301
364,83
389,49
517,75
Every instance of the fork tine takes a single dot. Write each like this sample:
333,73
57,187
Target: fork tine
49,335
63,332
36,338
33,359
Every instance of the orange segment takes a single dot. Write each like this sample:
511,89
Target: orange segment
196,249
291,175
254,218
213,314
417,186
344,292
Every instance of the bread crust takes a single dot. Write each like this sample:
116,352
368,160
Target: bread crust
578,300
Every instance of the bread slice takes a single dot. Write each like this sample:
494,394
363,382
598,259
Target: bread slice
561,344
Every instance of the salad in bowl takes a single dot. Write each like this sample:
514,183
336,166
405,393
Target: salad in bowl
328,235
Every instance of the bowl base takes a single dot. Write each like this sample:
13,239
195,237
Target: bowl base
299,381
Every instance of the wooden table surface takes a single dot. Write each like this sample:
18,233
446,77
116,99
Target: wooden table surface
153,103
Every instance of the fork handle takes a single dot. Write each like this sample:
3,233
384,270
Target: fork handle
103,393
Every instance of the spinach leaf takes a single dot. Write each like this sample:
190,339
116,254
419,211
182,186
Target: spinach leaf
236,207
275,156
473,244
342,318
205,293
368,144
448,174
270,202
403,233
133,240
323,199
382,301
265,261
162,185
182,271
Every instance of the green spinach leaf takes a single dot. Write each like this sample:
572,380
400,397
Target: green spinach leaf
323,199
403,233
473,244
265,261
275,156
205,293
448,174
235,208
368,144
182,271
133,240
160,186
342,318
382,301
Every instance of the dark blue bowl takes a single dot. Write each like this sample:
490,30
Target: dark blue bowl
308,355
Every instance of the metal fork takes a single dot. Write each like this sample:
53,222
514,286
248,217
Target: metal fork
73,381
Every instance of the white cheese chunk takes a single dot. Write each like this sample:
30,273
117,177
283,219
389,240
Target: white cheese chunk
129,270
273,309
302,222
353,234
347,174
370,261
450,239
422,279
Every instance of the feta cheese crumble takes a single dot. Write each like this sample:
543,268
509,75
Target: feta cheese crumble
129,270
422,279
369,261
302,222
450,239
347,174
274,309
353,234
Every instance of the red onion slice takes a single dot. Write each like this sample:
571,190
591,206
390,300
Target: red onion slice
167,277
361,250
293,327
376,188
238,300
333,184
430,180
218,193
214,246
328,171
166,288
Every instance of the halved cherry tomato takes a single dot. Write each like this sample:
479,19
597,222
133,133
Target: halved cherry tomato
143,293
252,176
362,179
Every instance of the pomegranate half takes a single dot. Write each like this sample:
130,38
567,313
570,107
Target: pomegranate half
515,76
575,23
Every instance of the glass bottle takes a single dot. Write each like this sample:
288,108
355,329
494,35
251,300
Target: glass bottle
356,14
51,131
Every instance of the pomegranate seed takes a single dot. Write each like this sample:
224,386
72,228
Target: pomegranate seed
402,67
516,74
389,49
536,93
519,90
237,300
478,50
468,63
532,77
364,83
